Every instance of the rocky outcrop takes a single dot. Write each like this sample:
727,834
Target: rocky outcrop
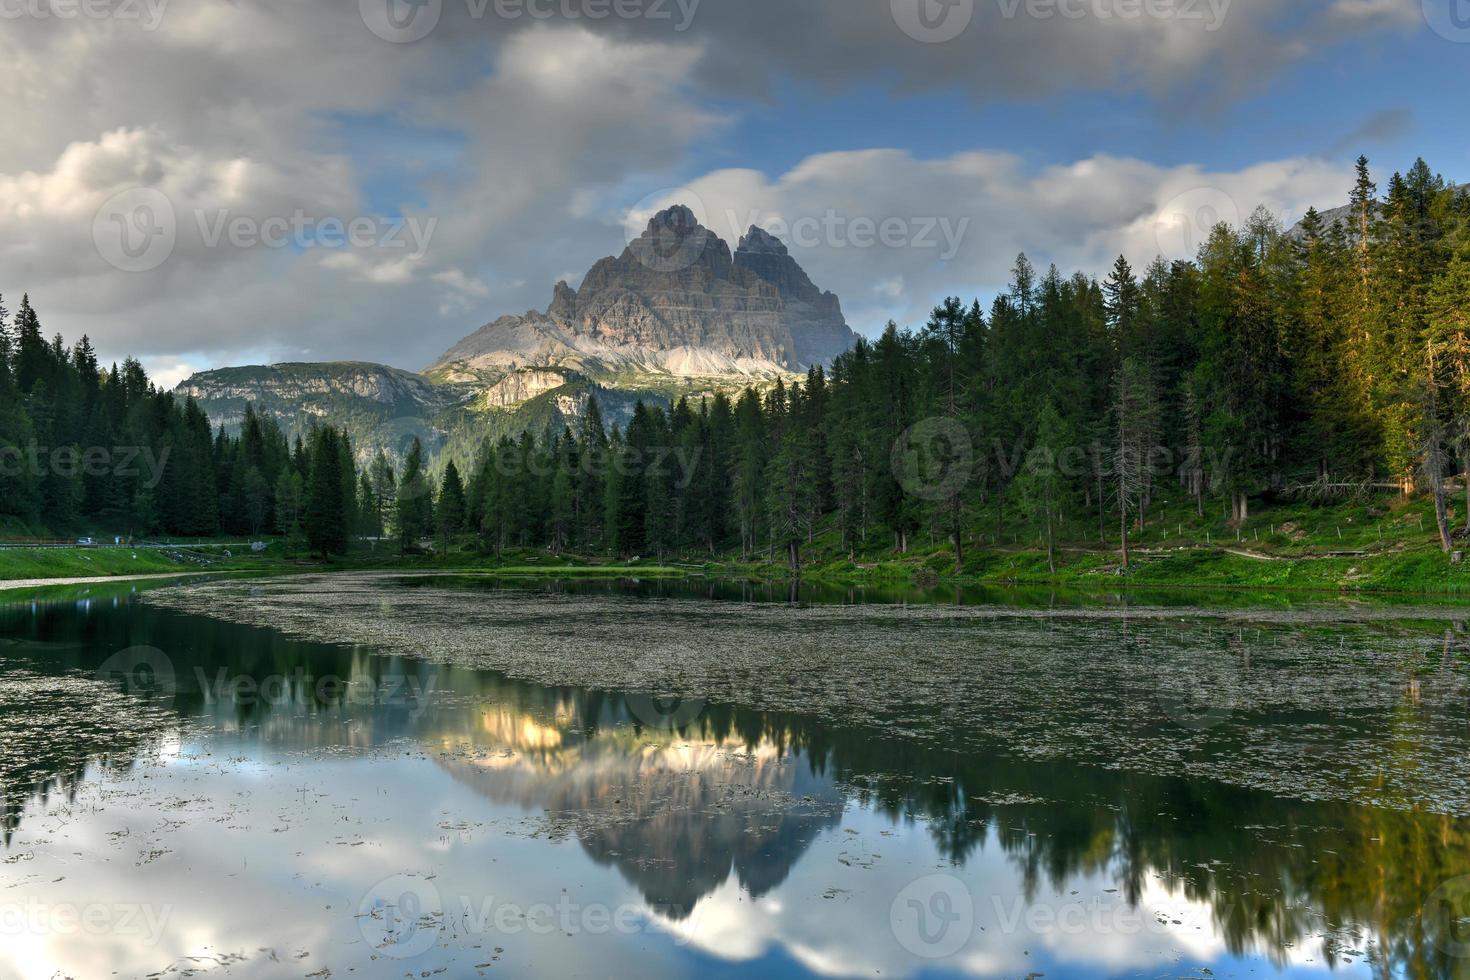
676,302
299,383
520,386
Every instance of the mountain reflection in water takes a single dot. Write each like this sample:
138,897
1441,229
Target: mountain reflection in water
725,828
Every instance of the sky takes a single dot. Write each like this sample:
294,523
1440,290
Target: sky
204,183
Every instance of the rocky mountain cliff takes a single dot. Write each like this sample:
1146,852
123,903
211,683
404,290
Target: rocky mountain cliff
379,406
676,304
386,408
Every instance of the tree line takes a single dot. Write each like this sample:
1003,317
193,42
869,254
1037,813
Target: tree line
1324,362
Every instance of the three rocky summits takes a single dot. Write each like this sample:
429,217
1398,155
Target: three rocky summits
676,302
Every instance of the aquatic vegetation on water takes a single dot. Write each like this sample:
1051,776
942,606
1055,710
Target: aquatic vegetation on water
1331,704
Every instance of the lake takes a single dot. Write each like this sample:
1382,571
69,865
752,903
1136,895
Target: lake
390,775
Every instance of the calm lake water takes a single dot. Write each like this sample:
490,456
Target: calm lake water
383,776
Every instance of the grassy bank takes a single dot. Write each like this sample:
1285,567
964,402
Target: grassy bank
46,563
1387,545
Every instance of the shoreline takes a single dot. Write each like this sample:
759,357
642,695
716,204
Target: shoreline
8,585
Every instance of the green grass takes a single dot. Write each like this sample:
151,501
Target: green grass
46,563
1384,545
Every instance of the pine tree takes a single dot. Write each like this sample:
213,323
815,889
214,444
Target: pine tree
415,514
326,520
290,503
451,509
1043,484
1135,420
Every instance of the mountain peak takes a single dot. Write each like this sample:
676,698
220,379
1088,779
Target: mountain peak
675,240
762,241
679,217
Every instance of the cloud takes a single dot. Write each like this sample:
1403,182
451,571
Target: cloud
991,49
559,111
